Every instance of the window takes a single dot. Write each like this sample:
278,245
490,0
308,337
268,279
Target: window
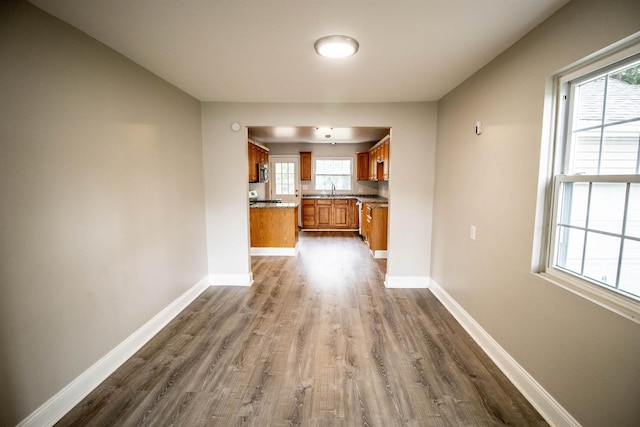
595,210
333,172
285,178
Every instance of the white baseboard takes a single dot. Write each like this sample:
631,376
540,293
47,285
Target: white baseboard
406,281
379,253
274,251
230,279
546,405
63,401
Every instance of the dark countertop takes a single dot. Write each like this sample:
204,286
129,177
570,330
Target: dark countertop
358,197
273,205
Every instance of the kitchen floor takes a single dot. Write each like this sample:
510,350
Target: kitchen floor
317,340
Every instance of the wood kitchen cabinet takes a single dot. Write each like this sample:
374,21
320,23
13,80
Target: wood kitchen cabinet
305,166
379,160
365,222
377,220
256,155
323,213
329,214
385,158
362,165
308,213
373,164
273,227
340,213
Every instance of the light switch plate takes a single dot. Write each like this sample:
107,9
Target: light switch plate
472,232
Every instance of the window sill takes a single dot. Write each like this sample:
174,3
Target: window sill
619,304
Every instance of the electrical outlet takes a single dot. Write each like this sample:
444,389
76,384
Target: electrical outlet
472,232
361,190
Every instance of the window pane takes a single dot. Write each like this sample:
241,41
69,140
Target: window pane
623,99
586,152
590,102
342,183
322,183
285,178
331,172
630,269
574,204
620,149
633,212
570,248
601,258
345,167
607,206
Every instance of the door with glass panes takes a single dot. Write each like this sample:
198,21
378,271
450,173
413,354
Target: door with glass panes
285,179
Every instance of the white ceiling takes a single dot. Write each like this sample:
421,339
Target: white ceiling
351,135
262,51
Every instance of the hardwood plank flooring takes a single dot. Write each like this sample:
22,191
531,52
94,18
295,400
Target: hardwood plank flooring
316,341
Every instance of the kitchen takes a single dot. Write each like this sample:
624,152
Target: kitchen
317,179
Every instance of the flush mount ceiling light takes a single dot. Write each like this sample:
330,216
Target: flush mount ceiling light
336,46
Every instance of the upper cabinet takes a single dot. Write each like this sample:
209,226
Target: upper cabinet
257,154
378,160
385,159
362,165
305,166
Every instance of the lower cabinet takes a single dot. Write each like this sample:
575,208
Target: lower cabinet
323,213
329,214
374,225
340,212
377,228
308,213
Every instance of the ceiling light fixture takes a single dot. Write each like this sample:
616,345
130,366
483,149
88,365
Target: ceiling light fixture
336,46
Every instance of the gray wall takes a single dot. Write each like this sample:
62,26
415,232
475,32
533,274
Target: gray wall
587,357
101,203
410,188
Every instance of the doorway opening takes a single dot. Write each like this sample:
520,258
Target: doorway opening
337,177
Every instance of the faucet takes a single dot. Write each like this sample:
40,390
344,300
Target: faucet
333,189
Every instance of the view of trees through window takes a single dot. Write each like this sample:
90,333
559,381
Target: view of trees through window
333,172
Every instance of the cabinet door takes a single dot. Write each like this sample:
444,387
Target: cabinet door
253,161
362,162
305,166
373,167
386,147
308,213
340,213
323,213
353,214
378,231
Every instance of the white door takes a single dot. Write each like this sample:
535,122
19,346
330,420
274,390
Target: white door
285,179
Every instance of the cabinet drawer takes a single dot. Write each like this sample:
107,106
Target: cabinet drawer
340,201
323,202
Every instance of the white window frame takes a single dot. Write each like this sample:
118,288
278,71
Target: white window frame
557,123
315,172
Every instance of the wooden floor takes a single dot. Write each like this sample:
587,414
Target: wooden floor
316,341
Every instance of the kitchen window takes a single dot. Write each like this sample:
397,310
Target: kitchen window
330,172
594,231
